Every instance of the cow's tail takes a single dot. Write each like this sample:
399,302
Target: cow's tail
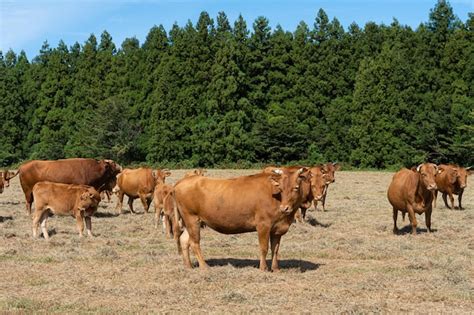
17,172
177,231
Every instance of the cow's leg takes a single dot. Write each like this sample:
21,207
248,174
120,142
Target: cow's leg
194,230
275,247
298,215
44,228
323,201
130,204
303,213
144,201
460,199
80,222
109,197
411,215
36,219
451,198
395,216
184,245
263,232
29,201
167,225
428,218
445,199
315,204
89,226
435,197
118,207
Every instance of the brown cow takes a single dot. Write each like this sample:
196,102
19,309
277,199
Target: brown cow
263,202
451,180
108,189
2,181
328,170
198,172
167,211
5,177
412,191
69,171
138,183
311,189
80,201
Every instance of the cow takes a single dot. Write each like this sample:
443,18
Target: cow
5,177
198,172
167,211
108,189
311,190
412,191
451,180
80,201
161,190
263,202
138,183
328,170
3,182
77,171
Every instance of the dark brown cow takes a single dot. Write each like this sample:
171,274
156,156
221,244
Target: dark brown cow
412,191
80,201
265,203
108,189
69,171
138,183
451,180
328,170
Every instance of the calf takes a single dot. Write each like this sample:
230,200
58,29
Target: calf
328,171
451,180
412,191
162,190
80,201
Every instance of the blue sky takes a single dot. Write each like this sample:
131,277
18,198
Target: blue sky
26,24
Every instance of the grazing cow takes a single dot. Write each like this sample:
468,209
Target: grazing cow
451,180
328,170
198,172
80,201
412,191
69,171
263,202
138,183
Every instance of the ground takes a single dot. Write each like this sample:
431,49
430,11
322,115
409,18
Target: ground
344,260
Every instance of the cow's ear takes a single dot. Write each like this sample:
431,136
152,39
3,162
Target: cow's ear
304,173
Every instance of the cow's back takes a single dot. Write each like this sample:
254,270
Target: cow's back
402,188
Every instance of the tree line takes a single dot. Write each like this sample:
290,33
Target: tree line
219,93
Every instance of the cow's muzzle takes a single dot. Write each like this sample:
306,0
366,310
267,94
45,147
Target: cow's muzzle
432,187
285,209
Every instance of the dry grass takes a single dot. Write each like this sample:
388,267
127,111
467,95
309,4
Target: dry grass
346,261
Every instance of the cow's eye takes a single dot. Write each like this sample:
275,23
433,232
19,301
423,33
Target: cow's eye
296,188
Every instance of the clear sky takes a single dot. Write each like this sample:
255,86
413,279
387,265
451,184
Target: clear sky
26,24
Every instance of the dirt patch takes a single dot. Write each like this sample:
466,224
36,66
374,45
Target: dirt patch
343,260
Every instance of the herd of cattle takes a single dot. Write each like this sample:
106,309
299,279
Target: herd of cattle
267,202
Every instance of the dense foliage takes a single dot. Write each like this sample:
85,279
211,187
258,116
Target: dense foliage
215,93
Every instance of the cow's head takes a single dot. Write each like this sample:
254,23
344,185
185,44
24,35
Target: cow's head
112,167
318,182
160,175
286,184
449,172
462,174
329,170
89,201
428,172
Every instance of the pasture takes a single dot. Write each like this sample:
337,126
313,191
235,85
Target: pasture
343,260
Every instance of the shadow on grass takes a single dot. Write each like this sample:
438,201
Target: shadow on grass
105,215
10,202
3,219
407,230
314,222
302,265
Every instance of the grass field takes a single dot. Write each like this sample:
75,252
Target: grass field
345,260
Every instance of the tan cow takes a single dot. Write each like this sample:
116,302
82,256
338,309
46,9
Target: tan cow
68,171
451,180
137,183
161,190
263,202
412,191
80,201
328,170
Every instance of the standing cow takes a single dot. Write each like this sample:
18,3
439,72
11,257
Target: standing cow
68,171
412,191
265,203
137,183
5,177
451,180
80,201
328,170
